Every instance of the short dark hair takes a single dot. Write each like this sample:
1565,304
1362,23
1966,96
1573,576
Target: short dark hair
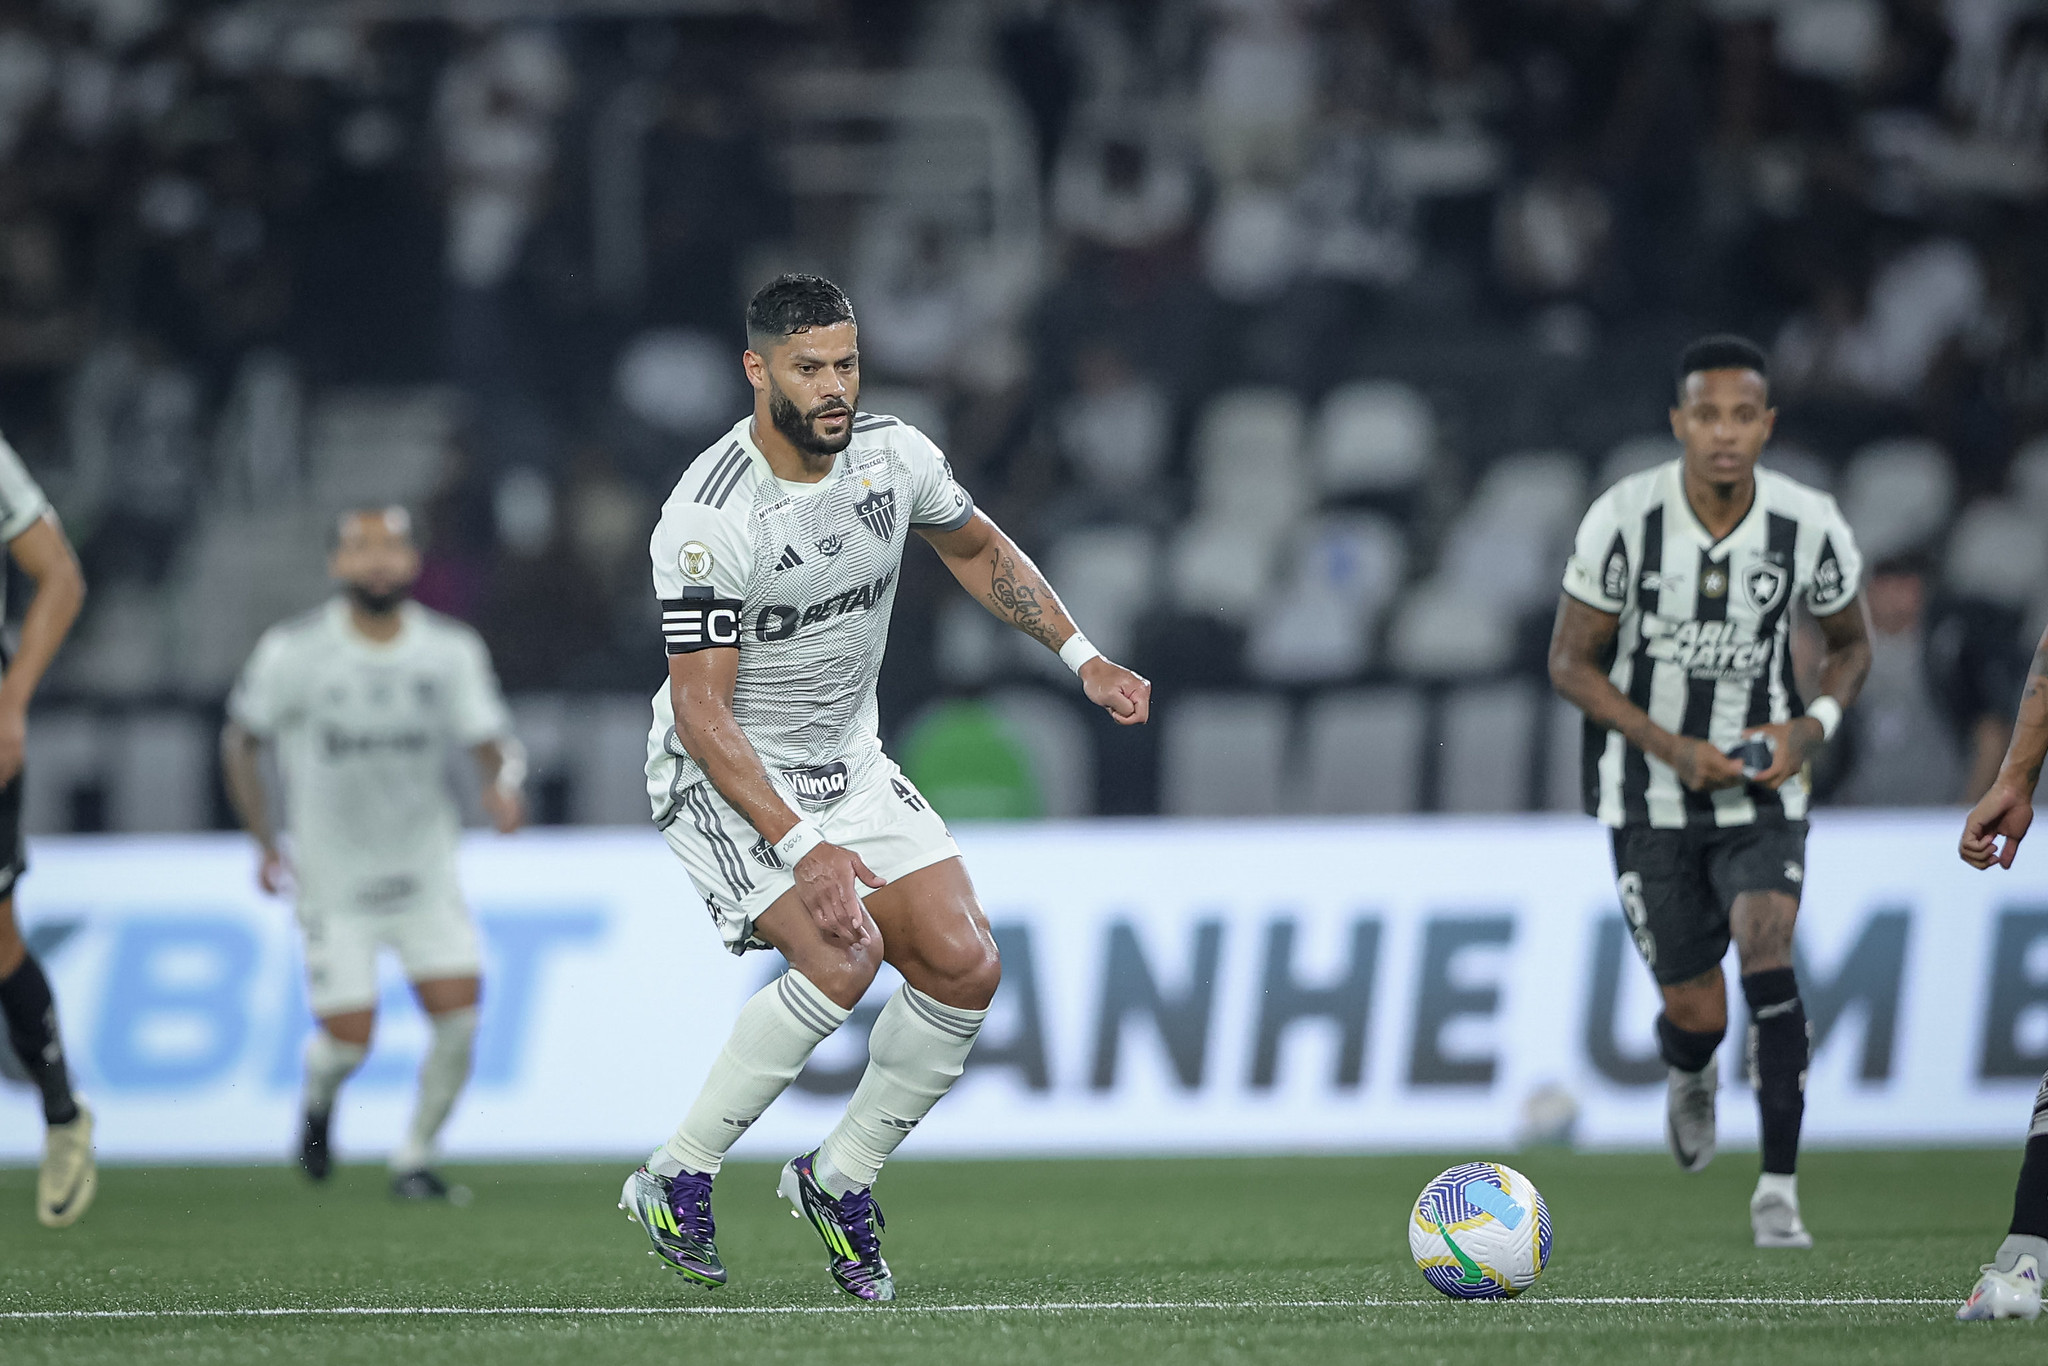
789,304
1722,351
381,511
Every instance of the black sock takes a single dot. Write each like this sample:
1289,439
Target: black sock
2030,1196
1778,1046
32,1029
1685,1049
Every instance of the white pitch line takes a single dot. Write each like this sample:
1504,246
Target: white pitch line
1044,1307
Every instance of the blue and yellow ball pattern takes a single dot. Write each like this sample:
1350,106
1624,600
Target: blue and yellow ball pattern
1480,1231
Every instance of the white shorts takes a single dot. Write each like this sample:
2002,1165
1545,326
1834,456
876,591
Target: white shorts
884,819
433,938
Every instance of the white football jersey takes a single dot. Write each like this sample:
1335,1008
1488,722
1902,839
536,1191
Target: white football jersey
1704,644
801,579
363,731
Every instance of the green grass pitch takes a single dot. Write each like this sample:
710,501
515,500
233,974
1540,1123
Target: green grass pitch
1239,1260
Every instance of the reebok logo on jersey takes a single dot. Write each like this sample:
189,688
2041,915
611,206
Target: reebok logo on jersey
781,622
790,559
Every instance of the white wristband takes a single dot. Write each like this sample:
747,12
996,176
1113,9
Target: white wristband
1077,651
1828,712
801,839
511,766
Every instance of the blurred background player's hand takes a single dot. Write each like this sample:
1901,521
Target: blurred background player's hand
506,807
1124,695
2006,811
274,871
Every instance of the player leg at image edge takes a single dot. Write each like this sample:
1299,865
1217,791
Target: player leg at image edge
68,1178
2010,1284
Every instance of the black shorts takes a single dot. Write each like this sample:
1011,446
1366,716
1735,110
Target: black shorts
1677,886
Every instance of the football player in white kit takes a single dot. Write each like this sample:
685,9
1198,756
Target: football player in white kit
68,1179
776,563
363,697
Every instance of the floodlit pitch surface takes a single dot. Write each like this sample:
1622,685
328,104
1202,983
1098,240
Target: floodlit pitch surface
1247,1260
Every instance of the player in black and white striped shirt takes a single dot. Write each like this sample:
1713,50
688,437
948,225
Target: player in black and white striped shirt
1674,637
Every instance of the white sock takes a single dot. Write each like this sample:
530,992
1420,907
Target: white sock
917,1051
770,1041
442,1077
1779,1183
2018,1245
328,1064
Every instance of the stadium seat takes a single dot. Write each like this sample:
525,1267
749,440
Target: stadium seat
1056,740
1222,567
1247,457
239,576
1797,462
1362,752
1562,785
367,446
164,779
1897,495
1511,541
1345,571
608,782
1223,754
1633,455
63,752
1484,764
1373,436
1107,576
1442,630
2029,476
910,403
1998,551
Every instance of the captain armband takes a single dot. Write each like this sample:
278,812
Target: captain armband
698,621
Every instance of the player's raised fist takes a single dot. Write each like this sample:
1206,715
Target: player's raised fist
1124,695
2006,810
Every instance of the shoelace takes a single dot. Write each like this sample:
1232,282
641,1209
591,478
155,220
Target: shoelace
861,1217
689,1199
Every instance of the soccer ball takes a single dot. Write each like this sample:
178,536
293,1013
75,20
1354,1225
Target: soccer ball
1480,1232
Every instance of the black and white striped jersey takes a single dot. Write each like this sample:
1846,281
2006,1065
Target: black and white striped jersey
1704,644
21,503
801,579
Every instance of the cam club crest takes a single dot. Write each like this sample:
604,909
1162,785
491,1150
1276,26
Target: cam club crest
1764,584
877,513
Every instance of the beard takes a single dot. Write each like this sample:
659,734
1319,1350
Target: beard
378,602
797,426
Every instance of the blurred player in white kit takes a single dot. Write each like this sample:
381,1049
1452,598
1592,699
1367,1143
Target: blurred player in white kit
363,697
68,1179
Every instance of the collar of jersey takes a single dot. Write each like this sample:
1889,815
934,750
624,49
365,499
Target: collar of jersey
744,433
1699,528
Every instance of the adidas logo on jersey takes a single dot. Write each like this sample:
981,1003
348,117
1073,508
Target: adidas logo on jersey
790,559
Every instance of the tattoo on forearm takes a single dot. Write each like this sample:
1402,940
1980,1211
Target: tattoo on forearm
1018,600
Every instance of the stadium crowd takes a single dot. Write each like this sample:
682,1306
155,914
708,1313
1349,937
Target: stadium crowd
1293,336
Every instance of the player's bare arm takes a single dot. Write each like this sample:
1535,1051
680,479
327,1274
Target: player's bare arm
45,556
1003,578
241,766
1578,642
701,686
1845,663
501,764
2007,809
